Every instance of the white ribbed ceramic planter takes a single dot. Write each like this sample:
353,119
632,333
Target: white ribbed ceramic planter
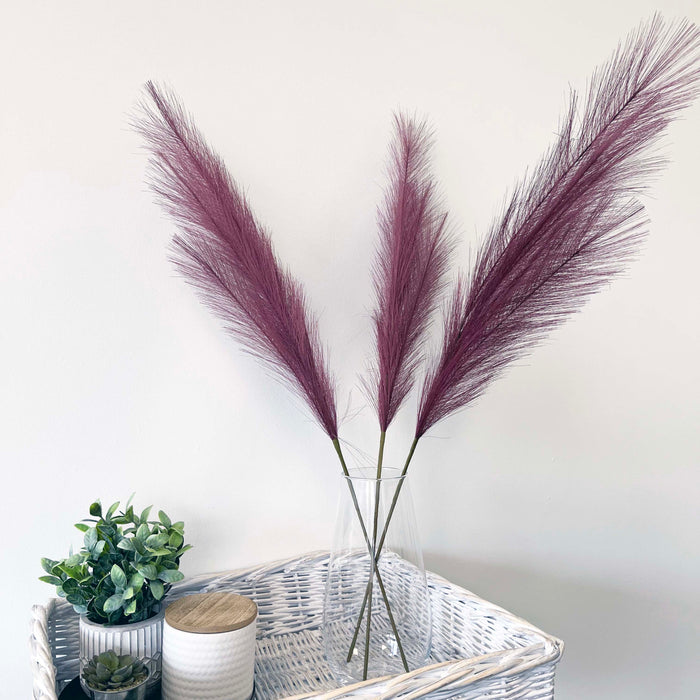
209,665
140,639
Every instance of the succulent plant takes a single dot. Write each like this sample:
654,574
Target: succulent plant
108,671
125,567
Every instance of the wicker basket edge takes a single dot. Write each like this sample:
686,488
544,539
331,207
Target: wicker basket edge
459,672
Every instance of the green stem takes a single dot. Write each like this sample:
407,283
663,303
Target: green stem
368,590
395,499
373,566
369,622
370,549
380,460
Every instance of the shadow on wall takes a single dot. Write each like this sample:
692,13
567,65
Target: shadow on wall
622,645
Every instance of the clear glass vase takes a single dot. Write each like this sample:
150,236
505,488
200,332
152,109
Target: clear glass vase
389,590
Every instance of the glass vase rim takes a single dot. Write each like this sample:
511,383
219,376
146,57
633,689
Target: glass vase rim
389,474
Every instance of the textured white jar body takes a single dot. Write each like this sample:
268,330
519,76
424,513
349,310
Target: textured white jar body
216,666
140,639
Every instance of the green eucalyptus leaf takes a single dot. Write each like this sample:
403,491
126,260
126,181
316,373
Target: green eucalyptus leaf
139,546
71,573
90,539
126,544
160,552
148,571
157,541
48,564
76,599
82,527
73,560
129,593
112,510
170,575
80,609
113,603
118,576
136,582
96,509
70,585
179,526
130,609
175,539
53,580
145,513
157,589
143,532
114,617
182,550
99,548
164,519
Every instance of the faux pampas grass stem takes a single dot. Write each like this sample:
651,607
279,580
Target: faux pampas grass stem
374,568
370,549
378,552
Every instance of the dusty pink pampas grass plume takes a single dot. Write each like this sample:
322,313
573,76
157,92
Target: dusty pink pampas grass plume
225,253
572,224
409,269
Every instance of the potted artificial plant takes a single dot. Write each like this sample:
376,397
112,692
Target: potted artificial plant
109,676
117,582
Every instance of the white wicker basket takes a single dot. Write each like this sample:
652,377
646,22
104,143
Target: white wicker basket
478,650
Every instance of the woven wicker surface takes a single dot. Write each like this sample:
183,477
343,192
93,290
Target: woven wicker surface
478,649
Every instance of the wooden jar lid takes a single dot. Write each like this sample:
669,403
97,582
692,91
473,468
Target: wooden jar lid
211,613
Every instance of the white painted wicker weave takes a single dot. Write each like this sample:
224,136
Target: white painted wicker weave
478,650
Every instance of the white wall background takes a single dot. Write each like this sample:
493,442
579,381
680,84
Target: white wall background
568,494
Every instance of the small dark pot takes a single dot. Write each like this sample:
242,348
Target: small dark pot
137,692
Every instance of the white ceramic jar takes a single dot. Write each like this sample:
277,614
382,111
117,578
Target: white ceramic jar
209,647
